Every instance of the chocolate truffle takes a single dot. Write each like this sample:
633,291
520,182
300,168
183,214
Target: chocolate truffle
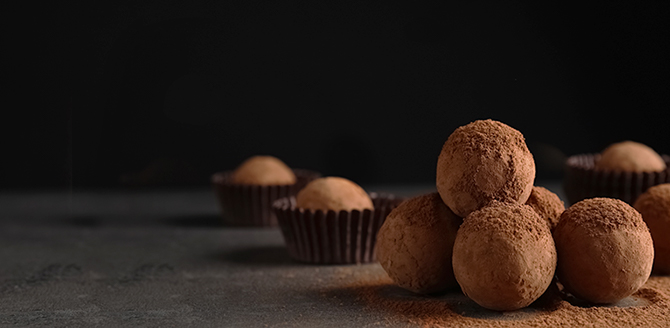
605,251
333,193
654,205
415,244
630,156
504,256
264,171
483,161
547,204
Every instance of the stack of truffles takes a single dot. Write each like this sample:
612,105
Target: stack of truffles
490,231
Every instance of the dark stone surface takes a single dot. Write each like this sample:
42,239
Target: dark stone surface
112,259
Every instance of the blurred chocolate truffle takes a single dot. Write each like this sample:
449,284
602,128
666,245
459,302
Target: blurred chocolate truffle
483,161
547,204
504,256
605,251
630,156
333,193
654,205
264,171
414,246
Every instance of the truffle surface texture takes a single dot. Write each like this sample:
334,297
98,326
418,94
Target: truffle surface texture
605,251
630,156
654,205
547,204
484,161
264,171
415,243
333,193
504,256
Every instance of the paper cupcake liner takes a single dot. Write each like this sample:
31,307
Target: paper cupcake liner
251,205
582,180
329,237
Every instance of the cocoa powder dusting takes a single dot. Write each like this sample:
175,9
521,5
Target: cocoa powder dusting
598,215
630,156
415,244
648,307
654,205
547,204
425,211
506,248
483,161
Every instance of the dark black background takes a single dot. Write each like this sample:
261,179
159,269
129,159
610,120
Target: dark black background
164,93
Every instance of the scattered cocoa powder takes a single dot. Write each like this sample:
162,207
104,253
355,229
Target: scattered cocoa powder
483,161
648,307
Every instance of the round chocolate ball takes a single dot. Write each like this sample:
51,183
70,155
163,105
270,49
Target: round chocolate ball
264,171
654,205
547,204
605,251
630,156
504,256
333,193
414,245
483,161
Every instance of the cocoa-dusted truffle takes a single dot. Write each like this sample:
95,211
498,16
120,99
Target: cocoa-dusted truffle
630,156
605,251
483,161
547,204
654,205
414,245
264,171
504,256
333,193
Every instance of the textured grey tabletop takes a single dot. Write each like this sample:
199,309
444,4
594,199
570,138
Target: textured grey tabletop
163,258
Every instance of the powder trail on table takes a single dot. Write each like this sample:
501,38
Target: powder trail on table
378,293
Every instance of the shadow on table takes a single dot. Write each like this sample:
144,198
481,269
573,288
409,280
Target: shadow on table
195,221
261,255
81,221
183,221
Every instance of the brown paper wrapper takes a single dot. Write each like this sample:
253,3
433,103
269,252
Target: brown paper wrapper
329,237
582,180
251,205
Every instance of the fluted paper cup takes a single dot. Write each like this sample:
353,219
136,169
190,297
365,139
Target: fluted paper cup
329,237
251,205
582,180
